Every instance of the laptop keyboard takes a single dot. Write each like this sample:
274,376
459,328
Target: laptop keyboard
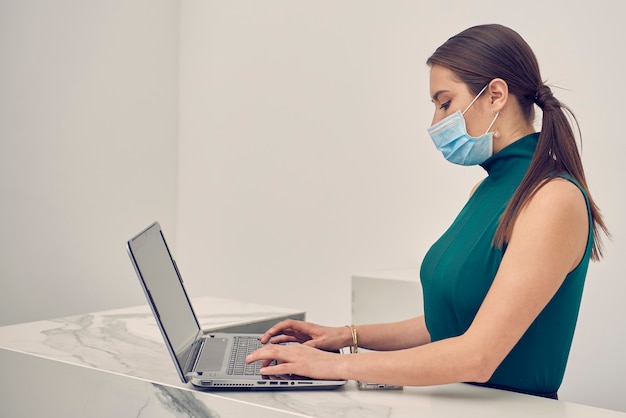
242,346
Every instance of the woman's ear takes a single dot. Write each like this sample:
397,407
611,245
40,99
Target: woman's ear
498,93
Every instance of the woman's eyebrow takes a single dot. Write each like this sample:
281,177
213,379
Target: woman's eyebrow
436,95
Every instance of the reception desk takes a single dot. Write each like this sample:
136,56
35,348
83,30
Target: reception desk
115,364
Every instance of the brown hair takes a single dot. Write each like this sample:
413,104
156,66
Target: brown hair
481,53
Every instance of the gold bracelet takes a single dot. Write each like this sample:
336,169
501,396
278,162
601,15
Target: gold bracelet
355,339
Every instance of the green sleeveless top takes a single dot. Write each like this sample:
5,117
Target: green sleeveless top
458,270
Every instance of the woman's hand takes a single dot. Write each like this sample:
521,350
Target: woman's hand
308,334
298,359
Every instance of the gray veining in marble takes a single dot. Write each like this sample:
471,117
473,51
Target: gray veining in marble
183,403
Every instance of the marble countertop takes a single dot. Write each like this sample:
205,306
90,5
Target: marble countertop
127,340
114,363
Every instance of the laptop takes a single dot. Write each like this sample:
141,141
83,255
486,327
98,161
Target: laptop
211,361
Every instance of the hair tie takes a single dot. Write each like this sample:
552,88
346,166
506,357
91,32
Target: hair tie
545,99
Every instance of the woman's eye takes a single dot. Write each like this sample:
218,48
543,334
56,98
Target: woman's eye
445,105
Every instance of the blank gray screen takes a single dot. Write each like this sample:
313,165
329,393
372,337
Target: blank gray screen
159,275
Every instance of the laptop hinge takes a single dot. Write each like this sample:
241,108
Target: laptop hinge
196,348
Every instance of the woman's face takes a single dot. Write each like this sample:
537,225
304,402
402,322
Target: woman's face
450,94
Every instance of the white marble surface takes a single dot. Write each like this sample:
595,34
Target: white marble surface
57,389
115,363
128,340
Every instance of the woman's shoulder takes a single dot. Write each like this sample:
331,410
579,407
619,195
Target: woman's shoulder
475,187
559,190
559,196
557,216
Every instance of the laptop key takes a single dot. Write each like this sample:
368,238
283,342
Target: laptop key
242,346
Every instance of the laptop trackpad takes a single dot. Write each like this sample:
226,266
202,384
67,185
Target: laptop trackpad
212,356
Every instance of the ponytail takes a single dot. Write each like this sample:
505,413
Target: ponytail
556,154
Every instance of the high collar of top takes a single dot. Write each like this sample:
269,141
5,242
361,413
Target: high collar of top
519,152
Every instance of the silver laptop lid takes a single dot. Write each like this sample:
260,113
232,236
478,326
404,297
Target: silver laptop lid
162,284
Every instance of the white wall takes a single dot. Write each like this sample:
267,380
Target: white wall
304,156
88,127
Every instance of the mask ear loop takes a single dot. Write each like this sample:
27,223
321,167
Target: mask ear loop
475,98
491,124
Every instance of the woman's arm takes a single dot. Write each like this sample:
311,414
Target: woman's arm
390,336
548,241
393,336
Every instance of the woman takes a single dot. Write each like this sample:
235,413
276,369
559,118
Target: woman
502,286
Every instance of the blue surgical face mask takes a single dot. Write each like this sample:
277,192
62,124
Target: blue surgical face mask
457,146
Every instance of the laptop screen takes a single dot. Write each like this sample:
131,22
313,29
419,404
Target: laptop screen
163,287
